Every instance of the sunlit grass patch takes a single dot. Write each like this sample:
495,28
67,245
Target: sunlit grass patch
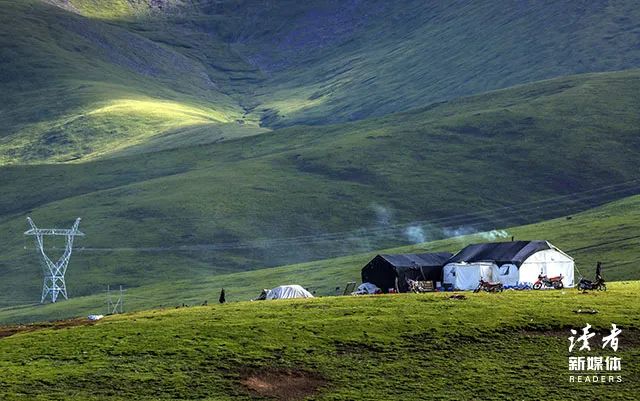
172,113
105,9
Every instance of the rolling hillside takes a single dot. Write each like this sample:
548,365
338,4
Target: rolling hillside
505,158
82,79
501,159
74,86
247,144
608,234
200,138
511,345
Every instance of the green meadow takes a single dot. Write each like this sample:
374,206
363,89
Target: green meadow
511,345
608,234
187,134
244,144
502,159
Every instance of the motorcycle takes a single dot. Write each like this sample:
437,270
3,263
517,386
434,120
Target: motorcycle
585,284
489,286
548,282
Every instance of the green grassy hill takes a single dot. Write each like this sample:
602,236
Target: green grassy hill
500,159
158,105
82,78
342,61
511,345
608,234
74,86
248,144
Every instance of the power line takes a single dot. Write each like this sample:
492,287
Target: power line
471,219
599,244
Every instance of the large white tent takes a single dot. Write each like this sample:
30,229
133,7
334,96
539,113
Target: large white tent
552,262
511,263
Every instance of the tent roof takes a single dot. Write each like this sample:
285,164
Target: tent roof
515,252
288,291
419,259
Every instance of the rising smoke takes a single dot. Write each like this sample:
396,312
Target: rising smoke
458,231
494,234
465,230
383,214
415,234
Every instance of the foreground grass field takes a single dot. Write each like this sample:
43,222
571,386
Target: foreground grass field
512,345
608,234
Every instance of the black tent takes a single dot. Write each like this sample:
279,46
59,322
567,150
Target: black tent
514,252
383,270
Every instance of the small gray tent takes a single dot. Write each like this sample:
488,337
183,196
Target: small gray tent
385,270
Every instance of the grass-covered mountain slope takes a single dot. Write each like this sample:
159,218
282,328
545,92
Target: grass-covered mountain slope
348,60
501,159
73,86
511,345
608,234
82,78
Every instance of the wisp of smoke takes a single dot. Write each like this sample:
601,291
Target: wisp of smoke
486,235
458,231
383,214
415,234
494,234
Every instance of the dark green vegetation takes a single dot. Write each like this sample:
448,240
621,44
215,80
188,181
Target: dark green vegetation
608,234
511,345
82,78
501,159
203,141
177,123
438,164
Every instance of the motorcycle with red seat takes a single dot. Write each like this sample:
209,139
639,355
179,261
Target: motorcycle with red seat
548,282
489,286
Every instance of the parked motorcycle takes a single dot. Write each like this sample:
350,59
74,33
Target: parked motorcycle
586,285
548,282
489,286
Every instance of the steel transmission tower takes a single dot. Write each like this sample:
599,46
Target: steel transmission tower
115,307
54,271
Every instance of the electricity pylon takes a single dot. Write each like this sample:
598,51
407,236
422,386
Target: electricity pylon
54,272
114,307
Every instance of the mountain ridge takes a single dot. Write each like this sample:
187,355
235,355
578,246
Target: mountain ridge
270,65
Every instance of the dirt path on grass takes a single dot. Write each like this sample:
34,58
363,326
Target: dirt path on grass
9,330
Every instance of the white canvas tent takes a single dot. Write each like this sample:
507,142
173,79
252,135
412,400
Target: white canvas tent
511,263
466,276
287,292
551,262
507,274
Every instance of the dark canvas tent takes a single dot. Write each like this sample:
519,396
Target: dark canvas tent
383,270
514,252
